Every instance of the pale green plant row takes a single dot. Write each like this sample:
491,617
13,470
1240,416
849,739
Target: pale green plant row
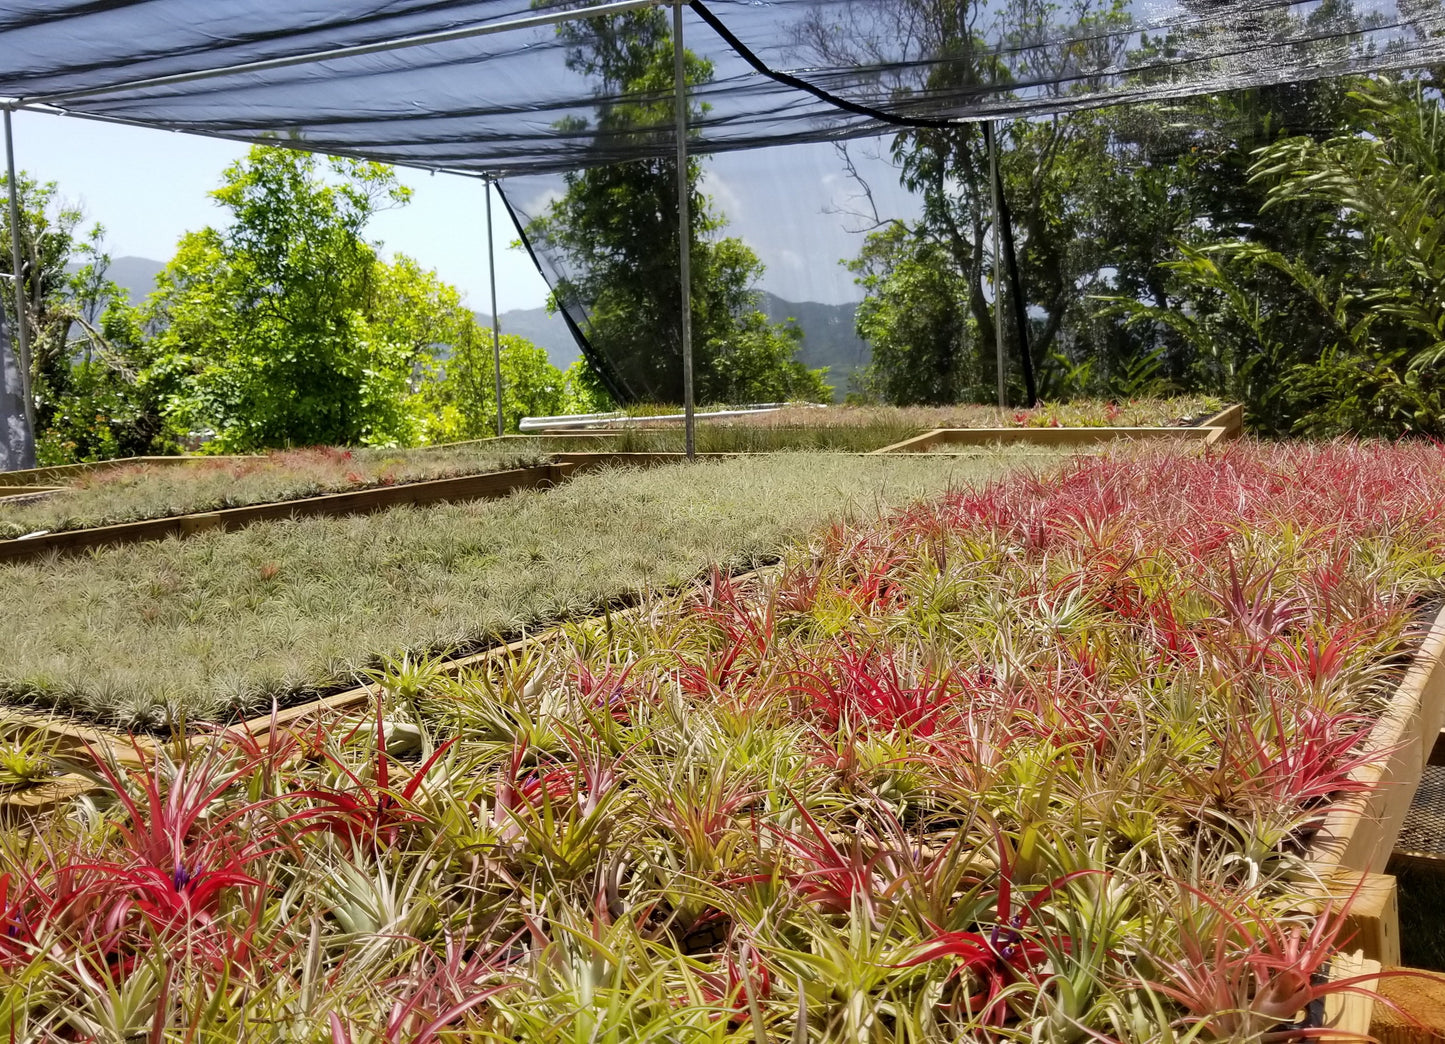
130,493
1083,413
222,623
863,429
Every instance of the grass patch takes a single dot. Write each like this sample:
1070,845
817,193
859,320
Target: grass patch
222,623
134,492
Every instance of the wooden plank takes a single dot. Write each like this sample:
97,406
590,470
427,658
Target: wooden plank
1359,832
27,491
1371,907
1348,1014
930,441
1411,1009
1372,916
20,806
1230,420
465,487
580,461
1063,436
70,737
61,473
917,444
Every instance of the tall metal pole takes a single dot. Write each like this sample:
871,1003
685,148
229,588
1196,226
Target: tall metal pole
990,133
684,227
496,319
22,331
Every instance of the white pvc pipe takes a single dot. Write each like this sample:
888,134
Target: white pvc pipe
588,420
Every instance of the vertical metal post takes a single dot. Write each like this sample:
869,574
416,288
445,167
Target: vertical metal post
22,331
684,226
496,319
990,133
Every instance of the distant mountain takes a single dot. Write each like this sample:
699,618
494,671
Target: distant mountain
828,336
135,275
543,330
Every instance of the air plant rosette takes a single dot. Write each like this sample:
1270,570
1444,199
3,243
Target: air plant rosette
1038,761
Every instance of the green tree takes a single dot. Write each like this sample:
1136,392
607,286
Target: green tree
459,397
1333,324
915,317
284,327
615,230
932,348
83,381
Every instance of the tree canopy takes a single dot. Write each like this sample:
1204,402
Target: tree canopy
284,326
615,232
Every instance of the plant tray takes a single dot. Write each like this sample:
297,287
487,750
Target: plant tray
1360,832
1226,424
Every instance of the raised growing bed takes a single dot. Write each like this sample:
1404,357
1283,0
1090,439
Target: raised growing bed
144,489
874,428
770,790
464,487
59,474
293,609
1228,423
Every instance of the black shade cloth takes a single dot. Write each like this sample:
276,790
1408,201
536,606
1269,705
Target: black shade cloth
520,106
508,104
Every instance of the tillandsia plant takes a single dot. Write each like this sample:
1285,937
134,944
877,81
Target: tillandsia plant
130,492
1037,761
26,756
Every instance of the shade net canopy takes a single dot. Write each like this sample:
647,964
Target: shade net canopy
537,100
825,96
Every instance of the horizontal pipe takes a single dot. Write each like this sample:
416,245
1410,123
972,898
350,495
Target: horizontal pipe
588,420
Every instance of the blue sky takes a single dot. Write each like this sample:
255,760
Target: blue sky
149,187
791,204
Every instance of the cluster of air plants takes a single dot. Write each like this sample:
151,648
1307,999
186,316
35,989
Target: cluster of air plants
220,624
132,492
866,428
1038,761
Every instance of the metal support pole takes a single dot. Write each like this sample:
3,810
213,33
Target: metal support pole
684,228
496,319
22,331
991,136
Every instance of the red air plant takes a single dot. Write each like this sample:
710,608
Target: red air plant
371,810
740,987
831,877
993,958
1242,972
867,690
1298,756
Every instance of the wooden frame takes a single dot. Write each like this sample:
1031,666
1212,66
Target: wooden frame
1359,831
27,491
485,486
1228,423
361,501
1348,1015
48,476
